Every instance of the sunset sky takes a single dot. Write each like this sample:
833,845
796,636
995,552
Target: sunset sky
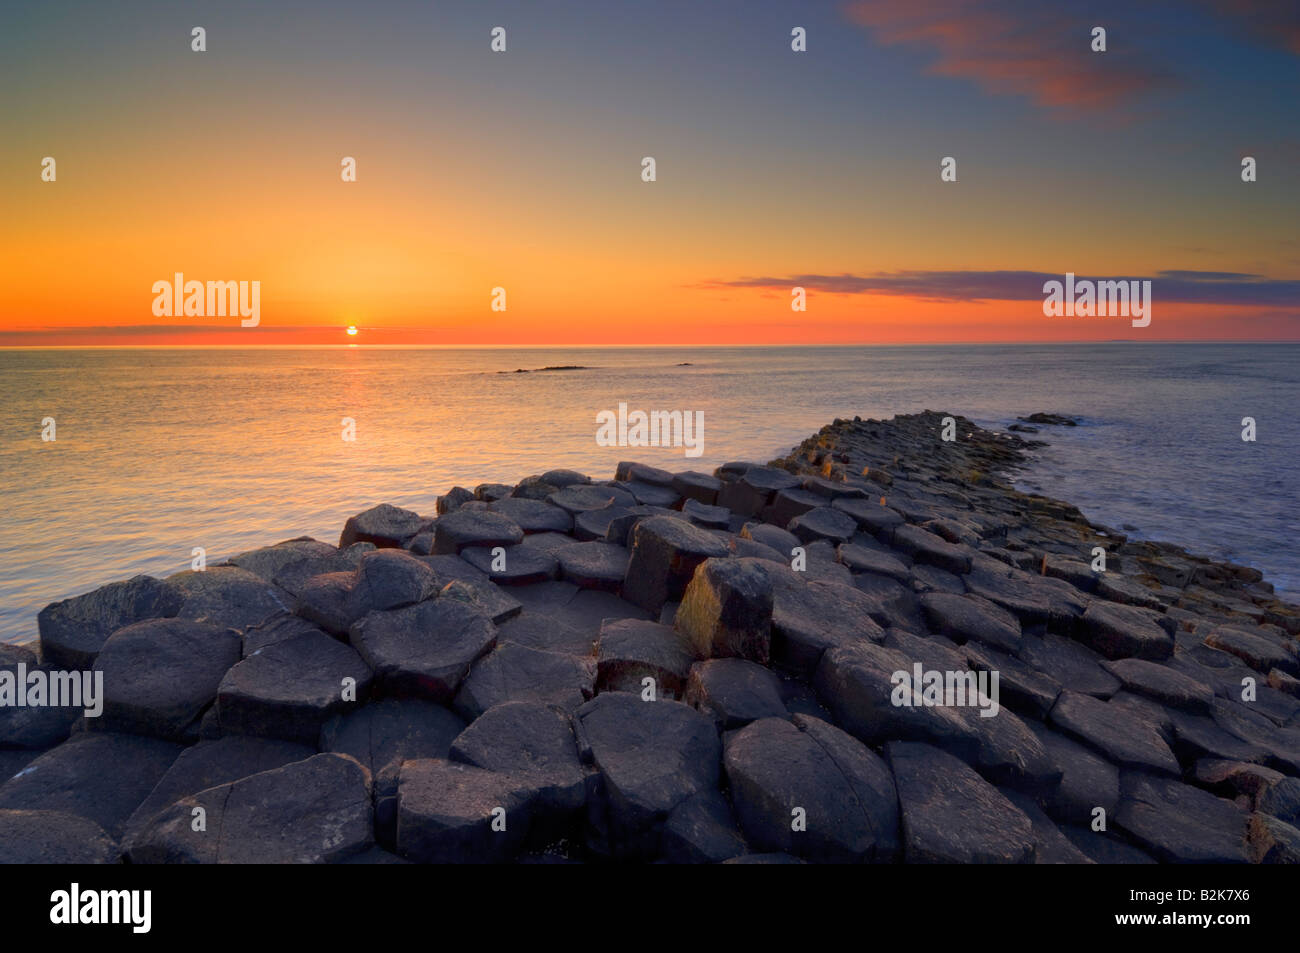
522,169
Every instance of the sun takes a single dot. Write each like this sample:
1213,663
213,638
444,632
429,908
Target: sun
352,330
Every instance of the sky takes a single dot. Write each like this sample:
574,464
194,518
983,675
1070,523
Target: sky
522,170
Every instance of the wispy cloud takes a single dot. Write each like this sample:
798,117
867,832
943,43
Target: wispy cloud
1188,287
1018,47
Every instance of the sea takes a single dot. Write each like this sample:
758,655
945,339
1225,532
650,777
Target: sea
158,451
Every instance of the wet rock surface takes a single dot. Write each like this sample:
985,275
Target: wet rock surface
781,663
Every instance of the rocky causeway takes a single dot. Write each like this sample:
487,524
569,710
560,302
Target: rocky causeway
725,667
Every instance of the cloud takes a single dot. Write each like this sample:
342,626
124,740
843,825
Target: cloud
1274,22
1188,287
1017,47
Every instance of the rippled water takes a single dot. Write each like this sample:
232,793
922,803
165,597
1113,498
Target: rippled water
159,451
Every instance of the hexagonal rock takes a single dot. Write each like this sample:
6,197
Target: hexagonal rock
1087,780
788,504
1113,732
491,492
844,791
1070,663
519,565
963,618
228,595
926,547
53,837
445,812
533,516
651,756
1119,631
643,473
824,522
1022,688
465,527
710,517
861,559
269,560
539,631
315,811
754,489
288,689
424,650
734,692
810,617
780,540
952,815
1179,823
160,675
452,500
513,672
74,630
648,494
629,650
483,597
385,525
381,736
1261,652
209,764
856,683
726,610
595,496
702,830
1050,845
295,575
665,555
100,776
697,486
390,579
593,565
39,726
619,521
535,745
1162,683
875,518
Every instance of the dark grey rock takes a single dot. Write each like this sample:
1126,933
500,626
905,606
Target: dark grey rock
513,672
466,527
1110,730
963,618
579,499
74,630
445,813
823,522
100,776
424,650
726,610
702,830
651,757
519,565
697,486
288,689
538,631
161,674
1162,683
1179,823
926,547
385,525
1070,664
845,792
264,819
383,734
810,617
53,837
665,555
710,517
1120,631
268,561
734,692
630,650
594,565
952,815
533,516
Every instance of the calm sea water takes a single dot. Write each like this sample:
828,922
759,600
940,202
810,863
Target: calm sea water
159,451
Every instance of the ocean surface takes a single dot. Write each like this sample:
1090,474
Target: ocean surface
159,451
